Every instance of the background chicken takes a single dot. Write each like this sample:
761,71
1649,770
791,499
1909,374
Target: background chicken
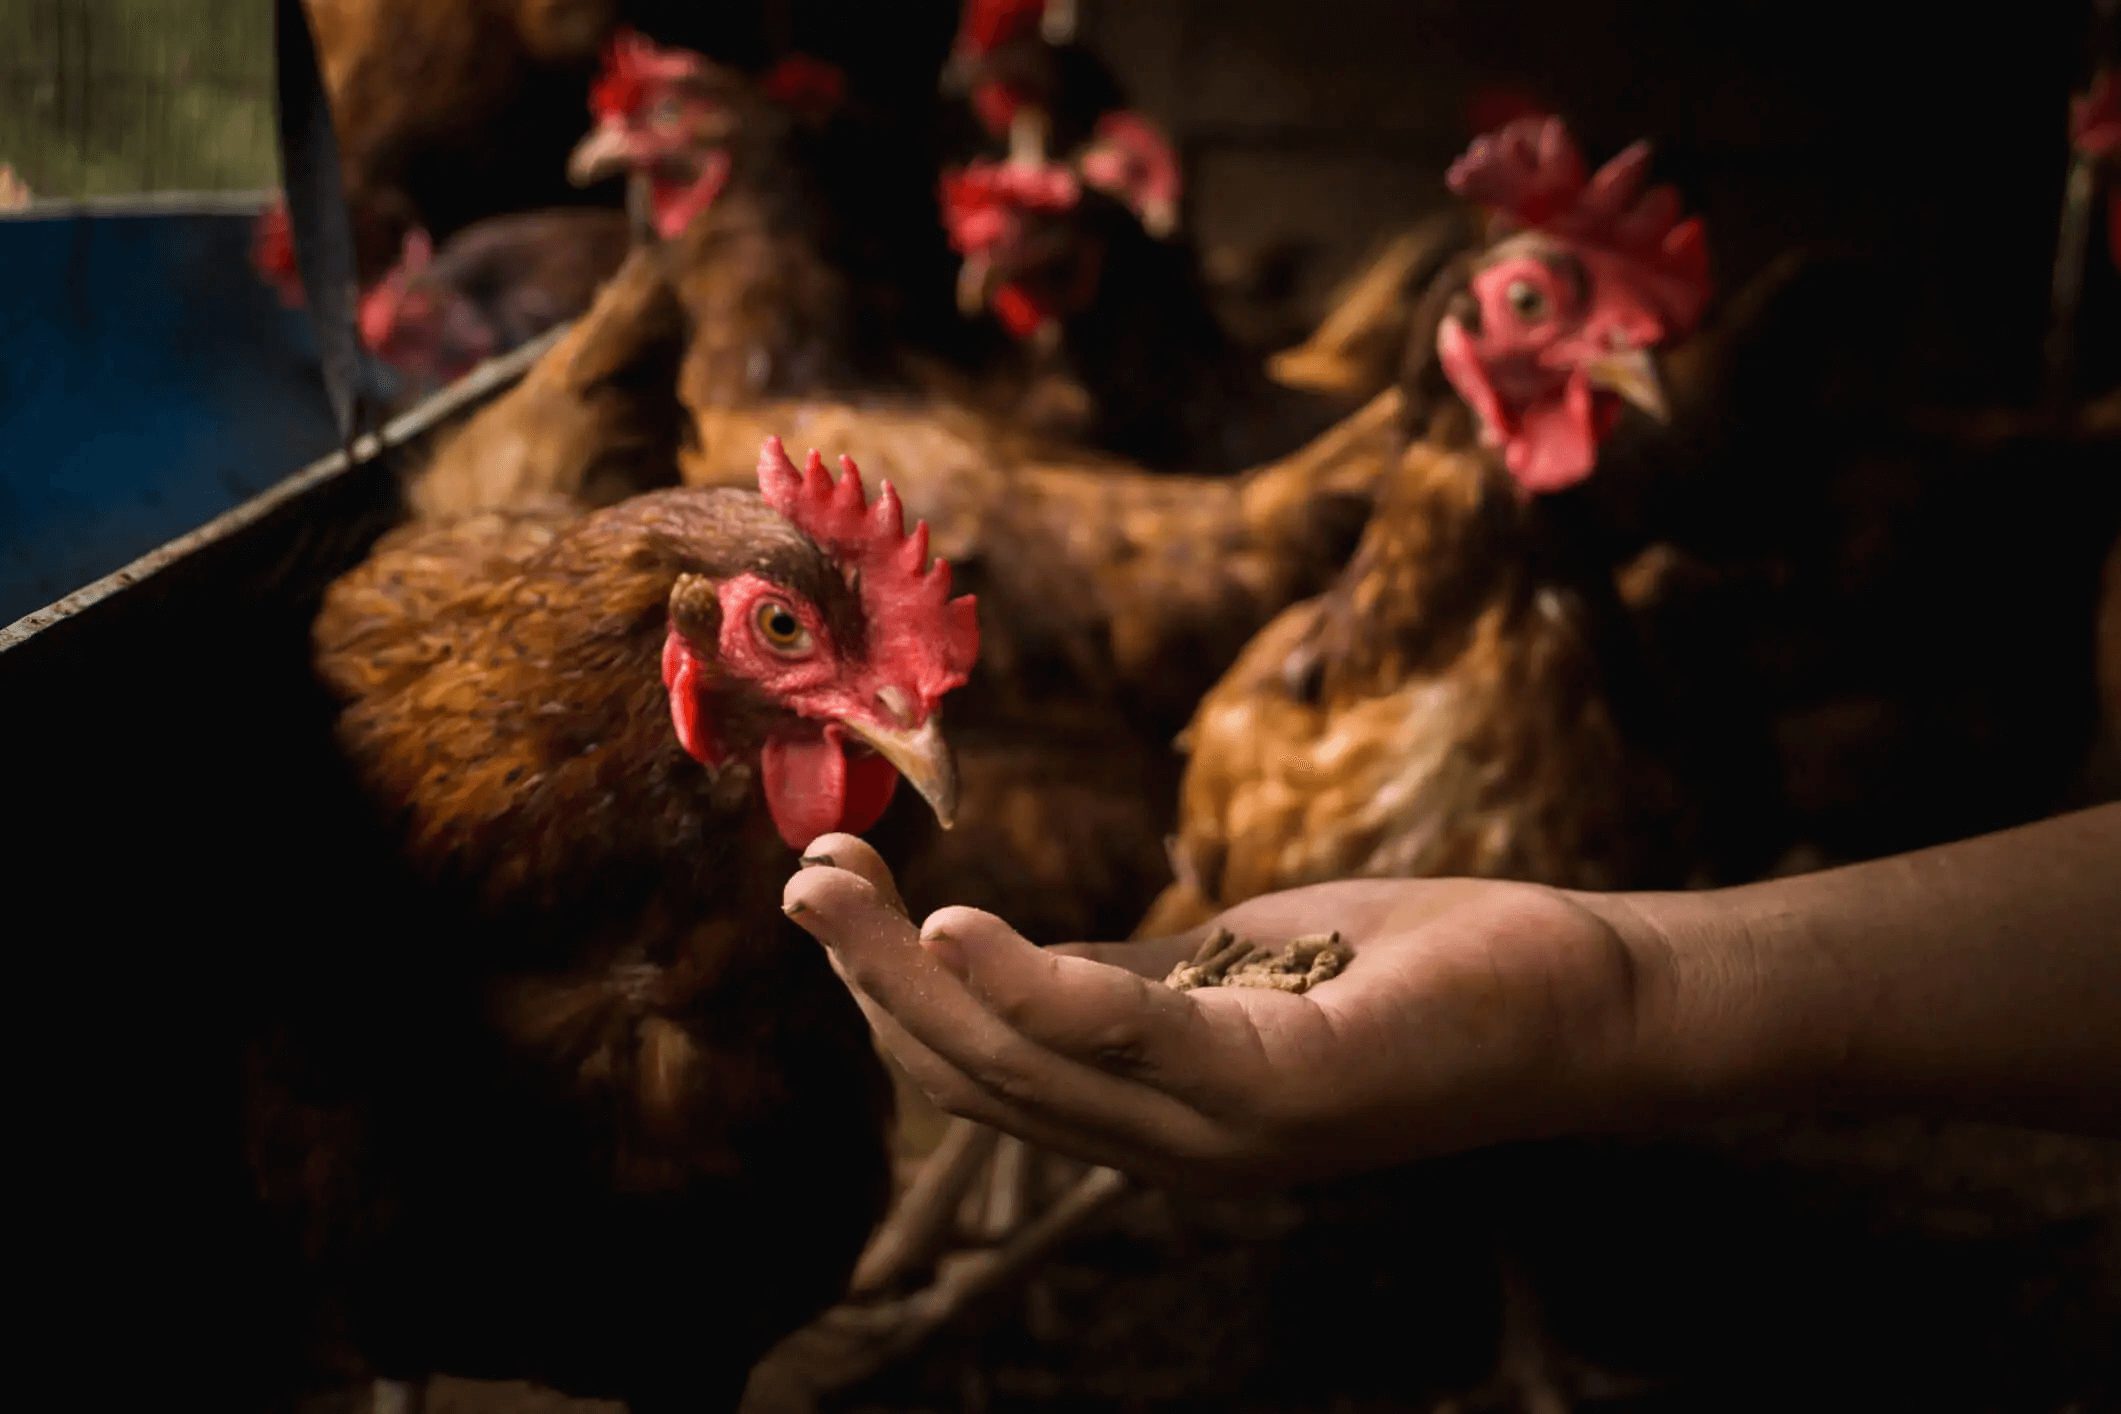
559,1097
1462,700
497,284
1120,348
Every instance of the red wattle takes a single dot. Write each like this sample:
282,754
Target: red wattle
1556,445
681,679
814,788
1020,314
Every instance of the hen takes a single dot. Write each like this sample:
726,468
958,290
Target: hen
573,1104
1460,701
494,286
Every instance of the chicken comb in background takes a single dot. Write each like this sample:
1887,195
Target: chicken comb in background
2095,132
1531,174
982,201
805,84
633,63
1132,160
905,594
989,24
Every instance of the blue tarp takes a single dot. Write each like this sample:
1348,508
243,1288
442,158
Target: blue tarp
148,382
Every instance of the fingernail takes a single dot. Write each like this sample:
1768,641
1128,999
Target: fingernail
792,909
945,950
811,861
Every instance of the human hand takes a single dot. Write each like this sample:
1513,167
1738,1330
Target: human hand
1471,1012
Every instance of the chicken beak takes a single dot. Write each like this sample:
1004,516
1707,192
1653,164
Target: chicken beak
921,757
604,153
1632,374
975,281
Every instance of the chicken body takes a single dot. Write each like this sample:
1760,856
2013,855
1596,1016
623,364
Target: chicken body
1451,705
565,1098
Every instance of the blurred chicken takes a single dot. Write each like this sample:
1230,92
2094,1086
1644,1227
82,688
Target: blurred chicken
1048,96
575,1105
1121,349
496,285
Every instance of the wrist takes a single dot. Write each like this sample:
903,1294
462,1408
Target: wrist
1734,1003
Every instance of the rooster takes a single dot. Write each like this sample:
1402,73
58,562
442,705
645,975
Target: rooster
587,1112
1458,702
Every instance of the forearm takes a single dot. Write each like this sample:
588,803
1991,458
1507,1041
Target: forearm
1982,977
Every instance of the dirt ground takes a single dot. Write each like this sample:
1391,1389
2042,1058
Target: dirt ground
1769,1265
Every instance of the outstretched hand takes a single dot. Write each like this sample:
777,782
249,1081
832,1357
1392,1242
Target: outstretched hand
1471,1012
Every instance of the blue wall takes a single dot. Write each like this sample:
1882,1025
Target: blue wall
148,382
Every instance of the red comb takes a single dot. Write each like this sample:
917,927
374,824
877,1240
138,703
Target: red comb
1130,158
913,621
805,82
633,65
1531,173
2095,118
989,24
982,201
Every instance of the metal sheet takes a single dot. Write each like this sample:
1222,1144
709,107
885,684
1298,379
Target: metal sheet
148,382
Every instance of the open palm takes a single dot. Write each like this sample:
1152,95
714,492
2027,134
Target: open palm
1472,1012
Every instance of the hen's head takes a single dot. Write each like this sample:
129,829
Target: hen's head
1028,257
666,115
422,326
1562,316
828,662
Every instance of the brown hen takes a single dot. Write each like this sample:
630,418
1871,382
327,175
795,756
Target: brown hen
561,1096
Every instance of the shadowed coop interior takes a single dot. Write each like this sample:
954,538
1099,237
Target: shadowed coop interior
196,842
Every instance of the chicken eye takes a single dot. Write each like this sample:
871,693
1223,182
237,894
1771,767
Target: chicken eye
666,112
782,630
1527,301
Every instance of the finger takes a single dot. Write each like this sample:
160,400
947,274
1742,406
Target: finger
1104,1016
853,854
957,1093
881,956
